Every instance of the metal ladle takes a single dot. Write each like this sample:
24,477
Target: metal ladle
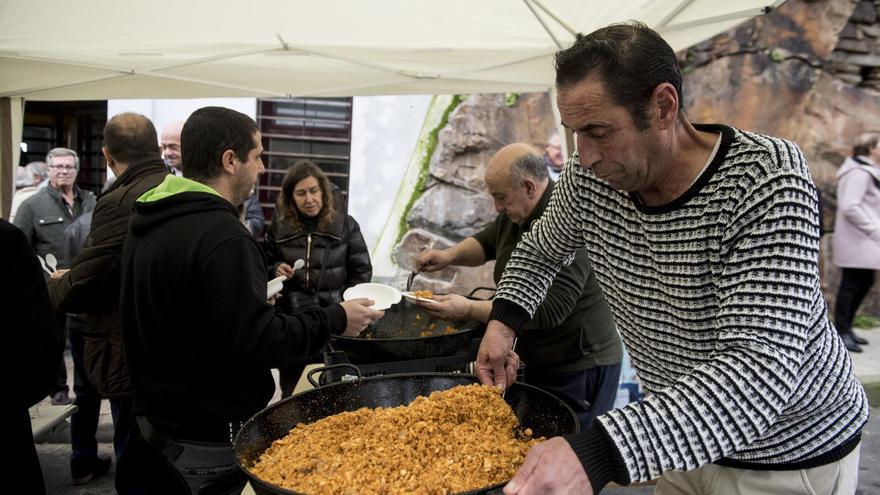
409,280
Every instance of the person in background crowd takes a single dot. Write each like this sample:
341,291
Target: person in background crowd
553,157
252,215
43,218
309,224
856,240
28,180
199,369
85,463
32,351
171,147
571,347
92,285
705,241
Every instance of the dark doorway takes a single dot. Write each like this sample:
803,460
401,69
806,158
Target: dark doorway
78,125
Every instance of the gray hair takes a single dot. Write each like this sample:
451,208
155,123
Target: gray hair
865,142
61,152
25,175
38,168
528,165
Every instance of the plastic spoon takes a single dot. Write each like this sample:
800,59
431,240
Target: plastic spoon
43,262
52,262
298,264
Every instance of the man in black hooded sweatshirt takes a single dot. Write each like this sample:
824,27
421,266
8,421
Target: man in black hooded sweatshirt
200,365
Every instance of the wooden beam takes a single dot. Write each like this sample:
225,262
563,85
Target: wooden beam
7,172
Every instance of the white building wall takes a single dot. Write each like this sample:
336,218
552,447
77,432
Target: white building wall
384,135
163,112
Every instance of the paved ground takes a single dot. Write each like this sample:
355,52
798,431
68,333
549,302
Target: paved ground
55,452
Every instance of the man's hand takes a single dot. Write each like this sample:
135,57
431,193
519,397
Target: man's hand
57,274
358,315
496,362
550,467
452,307
431,260
284,269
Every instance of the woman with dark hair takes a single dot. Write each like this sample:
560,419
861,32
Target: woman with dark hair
856,239
310,224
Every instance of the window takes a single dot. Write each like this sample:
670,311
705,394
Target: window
297,128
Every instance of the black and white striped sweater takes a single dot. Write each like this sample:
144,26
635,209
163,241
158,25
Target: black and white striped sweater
717,298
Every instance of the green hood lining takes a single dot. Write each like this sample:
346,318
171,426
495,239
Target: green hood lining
174,185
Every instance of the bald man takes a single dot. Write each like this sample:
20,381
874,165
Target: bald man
171,147
571,347
91,287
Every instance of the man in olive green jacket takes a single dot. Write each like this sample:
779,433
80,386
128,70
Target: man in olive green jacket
571,347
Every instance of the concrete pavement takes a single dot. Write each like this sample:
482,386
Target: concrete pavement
55,451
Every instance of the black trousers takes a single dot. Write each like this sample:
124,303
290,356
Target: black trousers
855,283
22,463
61,382
289,376
84,422
589,393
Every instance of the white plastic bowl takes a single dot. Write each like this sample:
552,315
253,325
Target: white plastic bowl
383,295
274,286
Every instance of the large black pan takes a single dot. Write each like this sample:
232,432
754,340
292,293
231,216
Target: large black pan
545,414
399,335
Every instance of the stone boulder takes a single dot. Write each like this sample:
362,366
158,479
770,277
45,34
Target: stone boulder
805,72
455,204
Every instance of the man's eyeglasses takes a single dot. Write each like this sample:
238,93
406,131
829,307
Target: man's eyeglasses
63,167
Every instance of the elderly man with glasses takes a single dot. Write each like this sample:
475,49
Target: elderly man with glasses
43,218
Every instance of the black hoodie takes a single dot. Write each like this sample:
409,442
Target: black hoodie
199,335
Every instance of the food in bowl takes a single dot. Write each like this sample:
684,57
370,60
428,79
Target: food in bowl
456,440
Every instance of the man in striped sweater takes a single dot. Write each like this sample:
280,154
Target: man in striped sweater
704,239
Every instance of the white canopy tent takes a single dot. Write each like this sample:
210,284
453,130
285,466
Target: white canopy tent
108,49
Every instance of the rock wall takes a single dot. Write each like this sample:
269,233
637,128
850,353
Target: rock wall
454,204
808,71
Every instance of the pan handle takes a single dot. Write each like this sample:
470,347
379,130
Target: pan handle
321,369
478,289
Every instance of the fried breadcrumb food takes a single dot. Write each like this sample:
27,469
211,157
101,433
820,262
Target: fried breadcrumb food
424,294
453,441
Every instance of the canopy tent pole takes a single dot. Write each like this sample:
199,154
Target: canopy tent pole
543,25
11,116
563,24
743,14
673,13
450,76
